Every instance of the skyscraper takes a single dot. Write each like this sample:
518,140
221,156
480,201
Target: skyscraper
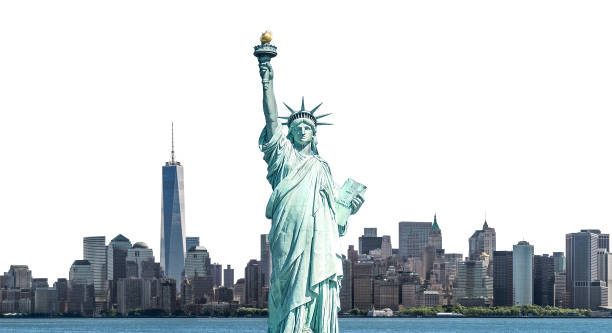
369,241
116,253
197,262
522,273
482,241
173,219
583,291
266,259
191,242
136,259
413,237
502,278
228,277
94,251
543,280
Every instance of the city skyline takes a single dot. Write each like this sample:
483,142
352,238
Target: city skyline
474,109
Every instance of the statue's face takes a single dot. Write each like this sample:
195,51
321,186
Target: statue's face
301,133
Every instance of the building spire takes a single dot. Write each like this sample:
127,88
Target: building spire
172,153
435,226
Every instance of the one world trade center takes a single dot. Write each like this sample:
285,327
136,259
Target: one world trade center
173,219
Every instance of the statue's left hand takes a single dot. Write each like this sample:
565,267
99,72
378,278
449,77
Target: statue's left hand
356,203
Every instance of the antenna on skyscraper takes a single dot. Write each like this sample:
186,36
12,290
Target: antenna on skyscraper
172,158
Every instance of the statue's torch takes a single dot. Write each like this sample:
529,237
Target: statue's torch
265,51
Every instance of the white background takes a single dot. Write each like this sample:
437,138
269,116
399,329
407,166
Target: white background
454,107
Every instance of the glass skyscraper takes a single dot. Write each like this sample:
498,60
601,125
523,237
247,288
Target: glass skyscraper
173,219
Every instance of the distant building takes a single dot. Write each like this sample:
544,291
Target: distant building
543,280
19,277
483,240
81,291
61,285
172,249
369,241
560,292
502,278
94,251
253,283
138,258
228,277
266,259
473,287
362,285
583,288
116,254
191,242
522,273
431,298
351,254
46,301
216,271
413,237
197,262
386,294
346,287
559,261
240,291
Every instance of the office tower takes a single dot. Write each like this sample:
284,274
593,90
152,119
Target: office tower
559,261
61,285
216,271
173,219
191,242
482,241
609,281
433,254
387,249
413,237
197,262
240,291
94,251
560,293
583,290
543,280
168,295
451,261
602,265
115,257
228,277
116,254
386,294
522,273
473,287
603,240
81,291
266,258
502,278
40,283
138,258
435,236
362,285
351,254
45,300
253,283
19,277
346,287
369,241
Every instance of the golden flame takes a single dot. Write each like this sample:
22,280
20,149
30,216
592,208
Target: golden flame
266,37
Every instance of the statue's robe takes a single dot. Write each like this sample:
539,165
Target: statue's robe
304,240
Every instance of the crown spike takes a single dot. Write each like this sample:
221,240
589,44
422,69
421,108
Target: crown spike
324,124
323,115
315,109
303,108
283,117
290,109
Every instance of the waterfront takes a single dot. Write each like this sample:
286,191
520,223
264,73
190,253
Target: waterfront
347,325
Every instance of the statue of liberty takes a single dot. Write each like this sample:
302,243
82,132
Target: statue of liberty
308,215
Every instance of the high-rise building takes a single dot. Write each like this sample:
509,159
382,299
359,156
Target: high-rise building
543,280
561,297
522,273
413,237
61,285
369,241
266,259
363,296
609,279
173,219
216,271
253,283
386,294
387,249
81,291
228,277
116,253
94,251
81,272
473,287
351,254
346,287
191,242
137,258
502,278
559,261
19,277
483,240
197,262
583,290
45,300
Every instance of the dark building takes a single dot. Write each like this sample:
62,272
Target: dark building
502,278
363,297
266,259
351,254
369,241
386,294
116,254
228,277
346,287
559,262
583,290
216,271
253,283
413,237
543,280
61,285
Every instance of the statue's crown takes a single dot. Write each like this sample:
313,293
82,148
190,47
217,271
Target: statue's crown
304,114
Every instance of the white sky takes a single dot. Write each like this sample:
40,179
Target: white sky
454,107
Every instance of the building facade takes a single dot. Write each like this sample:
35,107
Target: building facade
413,237
502,278
522,273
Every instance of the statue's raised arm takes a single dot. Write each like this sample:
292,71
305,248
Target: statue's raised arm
269,101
